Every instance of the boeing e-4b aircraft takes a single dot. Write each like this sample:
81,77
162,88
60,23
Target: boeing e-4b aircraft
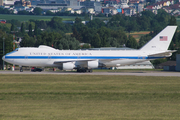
86,60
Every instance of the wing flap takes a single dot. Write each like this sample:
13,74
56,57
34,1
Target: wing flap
60,62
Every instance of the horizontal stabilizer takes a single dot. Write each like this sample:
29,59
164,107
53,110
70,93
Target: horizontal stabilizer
163,54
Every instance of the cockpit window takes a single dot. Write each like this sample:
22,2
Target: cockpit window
13,51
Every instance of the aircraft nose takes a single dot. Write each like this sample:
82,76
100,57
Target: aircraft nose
3,57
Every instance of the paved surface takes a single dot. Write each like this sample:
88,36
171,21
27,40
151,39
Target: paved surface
134,73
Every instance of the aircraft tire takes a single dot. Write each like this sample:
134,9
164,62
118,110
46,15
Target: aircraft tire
84,70
21,70
90,70
80,70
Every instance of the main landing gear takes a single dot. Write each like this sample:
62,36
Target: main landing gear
84,70
21,69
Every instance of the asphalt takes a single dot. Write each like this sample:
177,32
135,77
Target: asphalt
142,73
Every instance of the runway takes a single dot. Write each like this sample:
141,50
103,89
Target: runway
134,73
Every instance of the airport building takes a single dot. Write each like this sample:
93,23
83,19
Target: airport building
170,65
178,62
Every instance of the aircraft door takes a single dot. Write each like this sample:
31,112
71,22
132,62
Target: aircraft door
26,57
140,57
78,57
49,56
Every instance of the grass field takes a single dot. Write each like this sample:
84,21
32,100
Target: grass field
38,17
34,17
137,35
76,97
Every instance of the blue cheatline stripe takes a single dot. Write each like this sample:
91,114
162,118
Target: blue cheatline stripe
77,57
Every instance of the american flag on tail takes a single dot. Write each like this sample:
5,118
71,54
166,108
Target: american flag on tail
163,38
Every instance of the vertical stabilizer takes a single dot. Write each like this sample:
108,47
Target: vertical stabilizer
161,41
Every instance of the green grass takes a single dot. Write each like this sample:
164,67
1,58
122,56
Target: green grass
34,17
24,17
38,17
89,97
137,35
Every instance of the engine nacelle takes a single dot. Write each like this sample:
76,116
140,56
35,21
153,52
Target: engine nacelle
68,66
93,64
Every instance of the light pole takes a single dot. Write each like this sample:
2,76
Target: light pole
3,52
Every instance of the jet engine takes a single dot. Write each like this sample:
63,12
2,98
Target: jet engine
93,64
68,66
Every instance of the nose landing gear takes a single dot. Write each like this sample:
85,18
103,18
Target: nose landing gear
21,69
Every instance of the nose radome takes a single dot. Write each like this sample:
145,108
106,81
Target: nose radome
3,57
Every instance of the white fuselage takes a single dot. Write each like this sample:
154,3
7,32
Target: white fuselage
48,56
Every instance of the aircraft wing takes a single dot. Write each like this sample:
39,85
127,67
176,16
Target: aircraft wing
60,62
165,54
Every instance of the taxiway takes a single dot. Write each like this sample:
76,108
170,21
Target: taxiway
134,73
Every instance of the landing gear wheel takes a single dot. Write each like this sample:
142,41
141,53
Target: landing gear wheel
21,70
90,70
84,70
